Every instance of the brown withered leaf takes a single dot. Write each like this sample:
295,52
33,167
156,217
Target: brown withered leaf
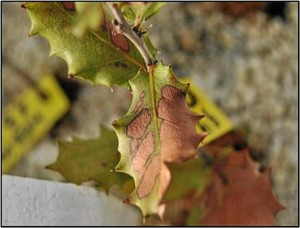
239,194
226,189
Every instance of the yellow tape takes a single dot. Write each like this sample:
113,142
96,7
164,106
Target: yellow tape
215,122
29,118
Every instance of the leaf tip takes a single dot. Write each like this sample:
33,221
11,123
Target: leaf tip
198,117
202,136
127,201
115,124
32,33
161,211
201,116
69,76
277,206
118,168
50,167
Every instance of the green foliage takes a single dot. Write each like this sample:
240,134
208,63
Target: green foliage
92,160
196,171
137,13
93,56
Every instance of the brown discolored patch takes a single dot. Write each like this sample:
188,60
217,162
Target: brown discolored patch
134,145
147,182
143,153
121,65
119,40
138,126
139,102
69,5
178,127
172,93
137,106
142,95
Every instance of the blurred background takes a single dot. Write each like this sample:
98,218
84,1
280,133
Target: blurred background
242,55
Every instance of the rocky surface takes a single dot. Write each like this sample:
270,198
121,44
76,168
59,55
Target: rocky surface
30,202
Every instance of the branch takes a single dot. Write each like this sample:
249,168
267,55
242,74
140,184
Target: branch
123,28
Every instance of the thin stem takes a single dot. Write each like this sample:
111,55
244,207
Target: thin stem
153,99
123,28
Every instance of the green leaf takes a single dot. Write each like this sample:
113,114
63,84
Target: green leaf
198,174
151,9
189,182
92,160
158,129
98,56
194,217
138,13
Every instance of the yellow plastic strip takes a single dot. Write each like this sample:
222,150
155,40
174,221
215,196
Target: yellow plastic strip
215,122
29,118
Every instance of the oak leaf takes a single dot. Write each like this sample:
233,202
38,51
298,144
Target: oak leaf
80,161
96,56
239,194
223,188
157,130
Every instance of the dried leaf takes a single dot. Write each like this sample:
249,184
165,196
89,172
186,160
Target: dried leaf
158,129
239,194
92,160
228,191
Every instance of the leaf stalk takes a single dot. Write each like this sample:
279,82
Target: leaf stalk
123,27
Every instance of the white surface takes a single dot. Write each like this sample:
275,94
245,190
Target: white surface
32,202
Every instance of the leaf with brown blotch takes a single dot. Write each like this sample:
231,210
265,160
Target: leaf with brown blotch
158,129
239,194
82,37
